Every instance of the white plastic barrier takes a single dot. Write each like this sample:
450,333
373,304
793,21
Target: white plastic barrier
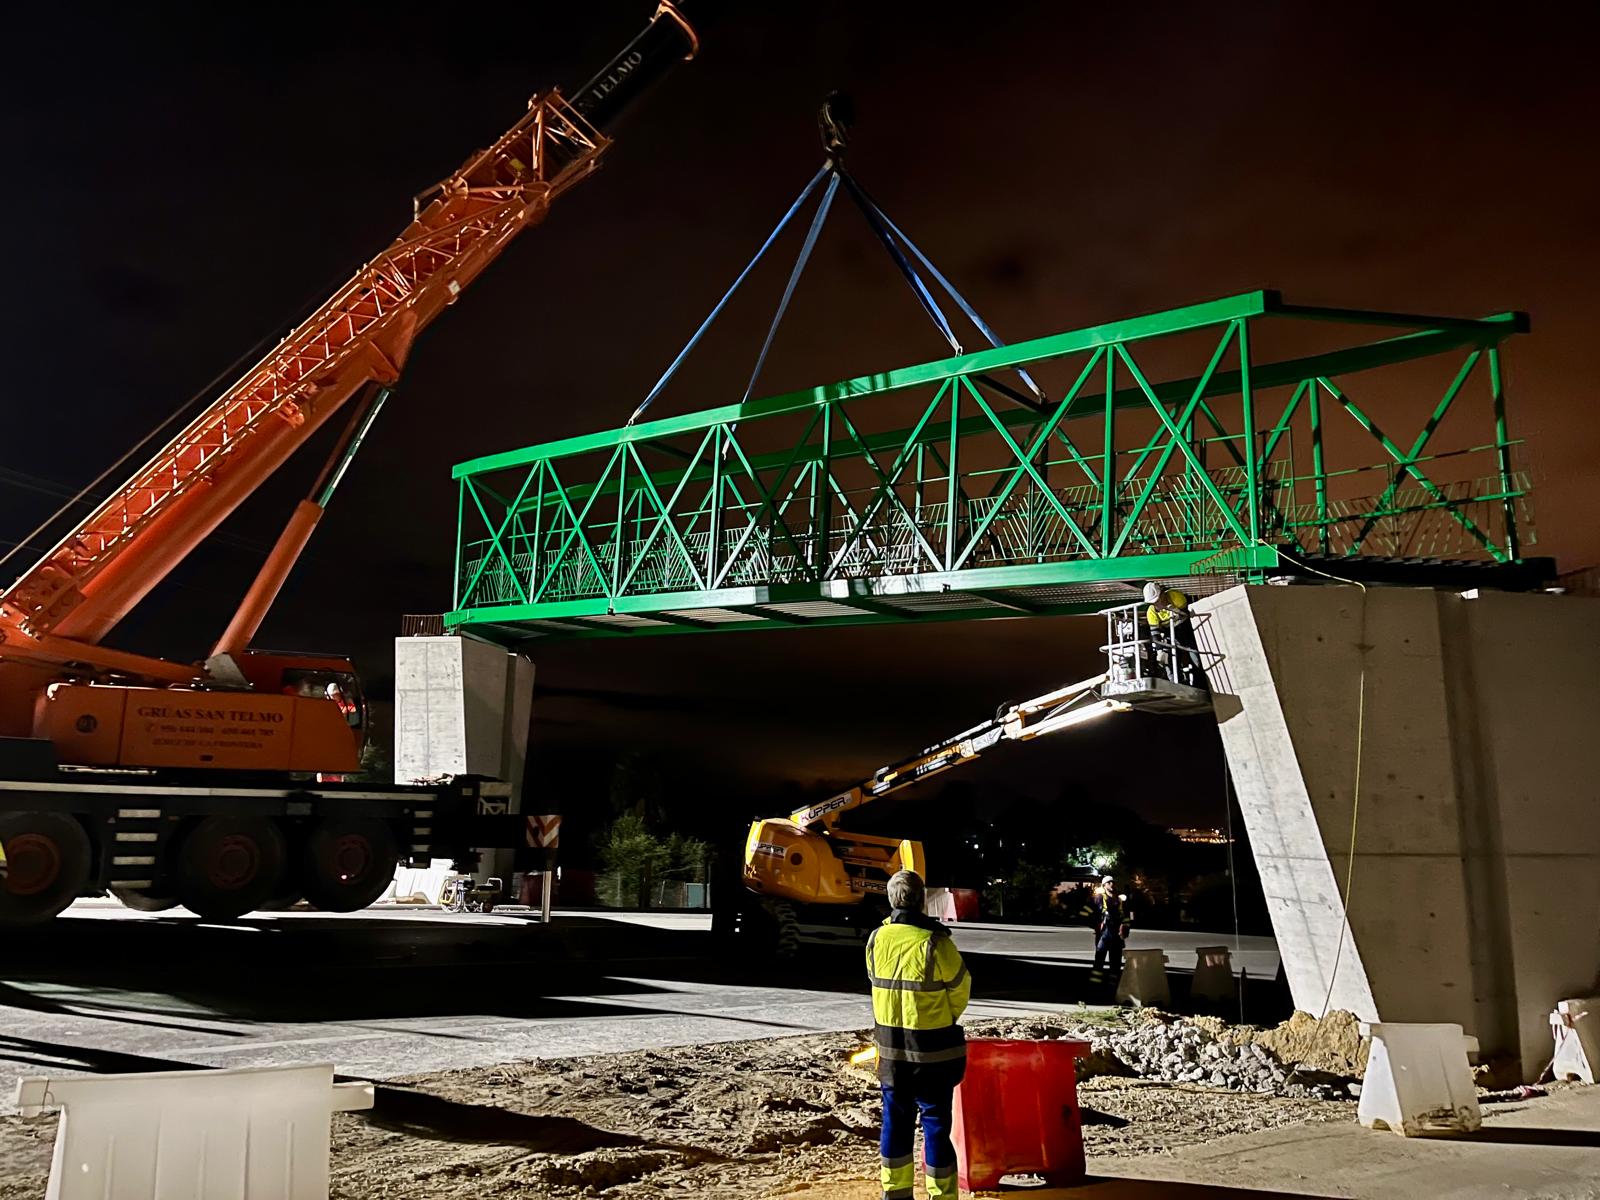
1418,1080
938,902
1576,1026
1213,975
1144,978
427,882
259,1133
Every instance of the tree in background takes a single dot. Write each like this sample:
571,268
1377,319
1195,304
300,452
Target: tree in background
637,865
631,857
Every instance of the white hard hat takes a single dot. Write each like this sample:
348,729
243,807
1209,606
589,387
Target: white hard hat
1152,593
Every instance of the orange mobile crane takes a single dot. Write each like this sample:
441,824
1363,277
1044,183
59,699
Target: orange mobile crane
168,782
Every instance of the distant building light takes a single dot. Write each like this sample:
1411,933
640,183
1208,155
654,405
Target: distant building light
1201,837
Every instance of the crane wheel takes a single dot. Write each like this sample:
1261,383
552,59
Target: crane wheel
786,934
347,863
228,866
142,901
47,864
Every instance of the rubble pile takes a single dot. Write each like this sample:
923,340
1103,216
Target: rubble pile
1181,1051
1302,1058
1333,1043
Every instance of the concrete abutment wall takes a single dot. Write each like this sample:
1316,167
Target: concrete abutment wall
1476,885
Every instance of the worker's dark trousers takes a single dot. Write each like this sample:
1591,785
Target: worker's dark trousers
903,1099
1190,671
1108,946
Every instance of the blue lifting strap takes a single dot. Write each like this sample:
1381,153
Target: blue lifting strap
875,216
892,239
881,227
794,278
728,295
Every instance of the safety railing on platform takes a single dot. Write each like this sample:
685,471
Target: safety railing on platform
940,478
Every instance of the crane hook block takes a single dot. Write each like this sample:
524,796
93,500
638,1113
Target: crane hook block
834,119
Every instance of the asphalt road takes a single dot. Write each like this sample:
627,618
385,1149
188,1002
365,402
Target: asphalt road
388,993
1075,944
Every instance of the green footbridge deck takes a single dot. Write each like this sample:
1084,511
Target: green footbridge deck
1161,449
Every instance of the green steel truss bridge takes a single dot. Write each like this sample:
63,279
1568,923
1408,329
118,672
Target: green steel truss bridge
1236,439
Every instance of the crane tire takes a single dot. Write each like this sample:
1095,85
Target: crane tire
48,857
229,866
347,863
142,901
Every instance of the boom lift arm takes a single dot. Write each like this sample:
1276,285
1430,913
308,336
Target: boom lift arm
1046,714
806,858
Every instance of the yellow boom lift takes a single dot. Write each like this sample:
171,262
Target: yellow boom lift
806,861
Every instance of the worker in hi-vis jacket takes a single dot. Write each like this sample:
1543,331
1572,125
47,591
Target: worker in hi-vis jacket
920,988
1111,921
1171,631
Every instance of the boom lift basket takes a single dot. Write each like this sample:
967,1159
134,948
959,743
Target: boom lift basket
1161,668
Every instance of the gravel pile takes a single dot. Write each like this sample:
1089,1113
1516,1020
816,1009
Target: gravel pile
1158,1046
1182,1052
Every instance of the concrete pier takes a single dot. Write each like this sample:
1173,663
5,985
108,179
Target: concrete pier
462,707
1476,886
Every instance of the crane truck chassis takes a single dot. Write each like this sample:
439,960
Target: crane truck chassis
225,847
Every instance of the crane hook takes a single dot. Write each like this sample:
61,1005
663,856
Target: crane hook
834,119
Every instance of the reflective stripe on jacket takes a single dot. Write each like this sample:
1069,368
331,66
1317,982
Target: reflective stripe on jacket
920,988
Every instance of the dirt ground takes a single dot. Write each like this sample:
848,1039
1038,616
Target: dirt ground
732,1121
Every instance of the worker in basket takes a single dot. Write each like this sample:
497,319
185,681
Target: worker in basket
920,988
1170,631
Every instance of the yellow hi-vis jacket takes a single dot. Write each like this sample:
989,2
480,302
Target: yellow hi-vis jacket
920,988
1174,605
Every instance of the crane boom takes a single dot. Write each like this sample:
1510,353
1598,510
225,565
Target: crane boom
72,597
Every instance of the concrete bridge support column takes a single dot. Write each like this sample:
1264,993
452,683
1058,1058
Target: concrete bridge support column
1475,895
462,707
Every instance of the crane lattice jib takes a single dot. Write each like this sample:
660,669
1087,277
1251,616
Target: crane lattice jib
99,570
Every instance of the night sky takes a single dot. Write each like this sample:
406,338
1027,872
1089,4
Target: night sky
182,182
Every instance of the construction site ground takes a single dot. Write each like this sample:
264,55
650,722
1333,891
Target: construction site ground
393,992
604,1059
790,1117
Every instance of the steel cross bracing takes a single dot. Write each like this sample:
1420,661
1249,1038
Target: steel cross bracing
1165,451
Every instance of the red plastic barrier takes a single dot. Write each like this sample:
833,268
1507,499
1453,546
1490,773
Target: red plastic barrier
966,903
1017,1112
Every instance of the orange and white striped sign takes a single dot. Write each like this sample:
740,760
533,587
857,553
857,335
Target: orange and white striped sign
544,831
